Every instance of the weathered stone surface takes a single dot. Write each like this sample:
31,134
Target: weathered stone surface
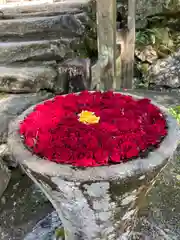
148,54
42,8
20,10
46,228
4,177
95,202
39,27
27,79
160,217
21,207
6,156
148,8
36,50
165,73
77,72
13,105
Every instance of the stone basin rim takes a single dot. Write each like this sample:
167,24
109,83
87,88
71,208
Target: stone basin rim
139,166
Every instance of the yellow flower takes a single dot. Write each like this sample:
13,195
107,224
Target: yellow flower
88,117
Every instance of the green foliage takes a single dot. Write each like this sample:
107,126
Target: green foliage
142,38
60,233
157,37
175,111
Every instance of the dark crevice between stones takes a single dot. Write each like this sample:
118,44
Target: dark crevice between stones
44,179
83,190
4,17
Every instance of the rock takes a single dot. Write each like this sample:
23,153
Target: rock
6,156
78,74
13,105
148,54
166,72
145,9
39,9
4,177
66,25
27,79
36,8
36,50
46,228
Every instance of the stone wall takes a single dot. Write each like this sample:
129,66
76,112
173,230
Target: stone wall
36,39
145,8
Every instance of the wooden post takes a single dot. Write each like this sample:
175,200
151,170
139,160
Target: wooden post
106,34
127,42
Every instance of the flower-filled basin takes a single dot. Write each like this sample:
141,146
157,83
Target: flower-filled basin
94,155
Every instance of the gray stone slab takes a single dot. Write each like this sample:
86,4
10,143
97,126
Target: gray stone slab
67,25
21,10
21,79
36,50
166,72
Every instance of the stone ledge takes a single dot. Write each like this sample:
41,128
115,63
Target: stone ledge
71,75
27,79
17,9
67,25
37,50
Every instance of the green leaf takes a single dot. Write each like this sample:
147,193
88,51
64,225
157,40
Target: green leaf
178,177
59,232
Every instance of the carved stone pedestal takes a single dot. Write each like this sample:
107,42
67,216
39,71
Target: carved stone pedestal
95,203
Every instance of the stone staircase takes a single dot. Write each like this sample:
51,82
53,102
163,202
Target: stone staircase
35,40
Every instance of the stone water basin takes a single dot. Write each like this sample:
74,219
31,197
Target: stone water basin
158,219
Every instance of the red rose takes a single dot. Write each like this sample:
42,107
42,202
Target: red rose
115,156
129,150
85,162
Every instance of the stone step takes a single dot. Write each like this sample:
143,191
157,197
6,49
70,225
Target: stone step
36,28
31,8
37,50
27,79
70,75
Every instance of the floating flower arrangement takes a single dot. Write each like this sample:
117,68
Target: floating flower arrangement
92,129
